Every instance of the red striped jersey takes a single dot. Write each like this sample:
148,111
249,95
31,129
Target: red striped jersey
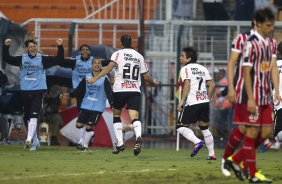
238,46
257,55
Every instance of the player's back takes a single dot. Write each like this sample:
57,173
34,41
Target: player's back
130,66
198,75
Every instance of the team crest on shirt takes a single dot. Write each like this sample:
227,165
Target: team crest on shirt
265,66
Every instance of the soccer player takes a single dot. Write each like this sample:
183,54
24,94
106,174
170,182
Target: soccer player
254,108
32,81
194,103
81,65
233,86
235,59
129,66
94,100
277,104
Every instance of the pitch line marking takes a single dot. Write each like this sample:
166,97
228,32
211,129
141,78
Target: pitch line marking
79,174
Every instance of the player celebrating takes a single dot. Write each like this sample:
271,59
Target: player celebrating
32,81
94,100
129,66
195,101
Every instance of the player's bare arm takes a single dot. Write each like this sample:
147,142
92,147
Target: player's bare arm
59,41
275,80
231,95
153,82
211,88
252,107
185,91
105,71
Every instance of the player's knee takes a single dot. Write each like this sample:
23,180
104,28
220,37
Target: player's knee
204,127
117,120
242,128
89,129
180,129
134,121
79,125
266,132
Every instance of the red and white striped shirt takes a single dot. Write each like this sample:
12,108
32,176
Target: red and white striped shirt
257,54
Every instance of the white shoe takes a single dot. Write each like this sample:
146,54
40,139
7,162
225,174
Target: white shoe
224,171
275,146
34,145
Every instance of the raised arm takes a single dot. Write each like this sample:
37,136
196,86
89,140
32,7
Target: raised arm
12,60
49,61
105,71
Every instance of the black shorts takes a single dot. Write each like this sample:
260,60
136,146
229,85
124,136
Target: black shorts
88,117
278,122
131,99
32,101
194,113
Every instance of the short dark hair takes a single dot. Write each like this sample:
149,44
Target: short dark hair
126,41
96,58
191,53
263,15
84,45
30,41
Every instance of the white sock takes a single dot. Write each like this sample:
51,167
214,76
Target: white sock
118,132
266,141
88,136
188,134
82,135
35,138
137,128
31,128
209,141
278,137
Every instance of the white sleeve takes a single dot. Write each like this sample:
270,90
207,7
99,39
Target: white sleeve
184,73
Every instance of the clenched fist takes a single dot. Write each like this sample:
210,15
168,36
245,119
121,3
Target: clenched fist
8,42
59,41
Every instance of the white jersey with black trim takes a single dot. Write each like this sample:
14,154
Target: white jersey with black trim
198,75
130,66
278,105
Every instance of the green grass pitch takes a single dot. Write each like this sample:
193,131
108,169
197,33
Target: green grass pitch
56,165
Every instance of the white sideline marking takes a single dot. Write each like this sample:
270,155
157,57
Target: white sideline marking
79,174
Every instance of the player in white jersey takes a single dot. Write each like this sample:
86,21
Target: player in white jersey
195,101
129,68
278,105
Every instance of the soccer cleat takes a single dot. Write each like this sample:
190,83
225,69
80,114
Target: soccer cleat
83,149
229,165
213,157
27,145
138,146
79,146
259,178
197,148
224,171
265,147
118,149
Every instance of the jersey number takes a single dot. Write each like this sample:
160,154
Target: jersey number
128,74
200,82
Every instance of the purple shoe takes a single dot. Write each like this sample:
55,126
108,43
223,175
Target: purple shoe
197,148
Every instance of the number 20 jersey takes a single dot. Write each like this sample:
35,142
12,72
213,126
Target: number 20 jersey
198,75
129,67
